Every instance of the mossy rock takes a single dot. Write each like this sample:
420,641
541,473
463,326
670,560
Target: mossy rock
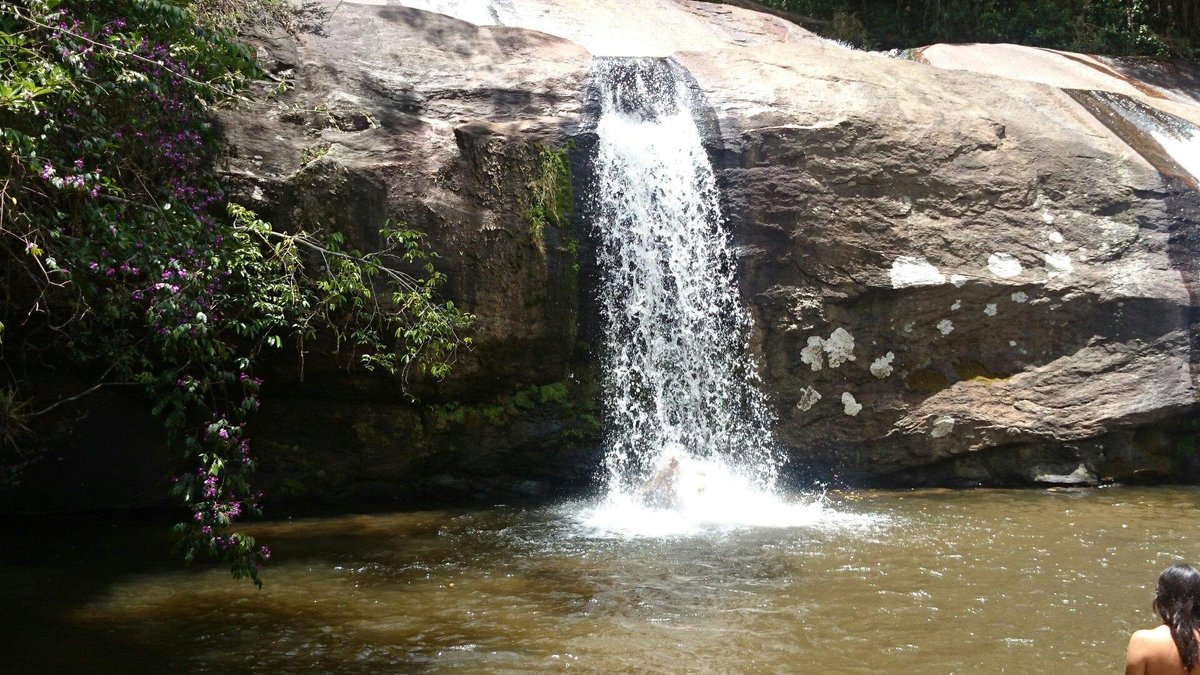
926,381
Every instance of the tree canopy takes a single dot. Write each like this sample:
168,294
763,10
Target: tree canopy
1113,27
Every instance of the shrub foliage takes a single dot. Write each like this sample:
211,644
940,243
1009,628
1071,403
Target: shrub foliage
121,257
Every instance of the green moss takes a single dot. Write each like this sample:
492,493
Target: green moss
591,422
523,399
974,371
495,415
549,195
572,405
291,487
368,435
926,381
314,152
554,393
448,414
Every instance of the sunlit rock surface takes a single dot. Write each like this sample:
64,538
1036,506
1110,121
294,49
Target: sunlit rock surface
1014,276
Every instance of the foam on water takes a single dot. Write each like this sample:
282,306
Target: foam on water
1183,146
711,497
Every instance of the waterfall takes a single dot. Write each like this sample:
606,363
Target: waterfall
679,384
1170,143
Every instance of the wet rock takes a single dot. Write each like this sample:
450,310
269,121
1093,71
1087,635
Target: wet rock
401,116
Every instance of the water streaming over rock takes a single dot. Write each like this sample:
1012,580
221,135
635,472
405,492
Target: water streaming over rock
1170,143
684,409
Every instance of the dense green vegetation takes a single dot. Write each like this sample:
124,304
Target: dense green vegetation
1114,27
123,262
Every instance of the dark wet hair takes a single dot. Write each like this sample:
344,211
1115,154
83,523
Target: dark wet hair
1178,604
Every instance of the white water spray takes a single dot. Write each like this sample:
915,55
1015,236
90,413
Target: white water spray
1179,138
688,437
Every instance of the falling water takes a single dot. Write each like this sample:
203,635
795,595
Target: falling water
1170,143
680,387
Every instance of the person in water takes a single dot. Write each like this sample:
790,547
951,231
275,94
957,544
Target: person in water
1173,647
661,491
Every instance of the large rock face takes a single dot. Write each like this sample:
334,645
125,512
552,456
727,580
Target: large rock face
957,275
392,114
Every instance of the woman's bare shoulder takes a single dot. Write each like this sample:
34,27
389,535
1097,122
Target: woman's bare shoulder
1152,651
1153,635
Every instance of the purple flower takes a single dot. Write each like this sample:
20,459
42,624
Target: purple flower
210,487
47,171
223,433
93,266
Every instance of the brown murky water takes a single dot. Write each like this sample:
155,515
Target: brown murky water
938,582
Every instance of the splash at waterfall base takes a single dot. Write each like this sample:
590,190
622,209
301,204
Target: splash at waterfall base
706,496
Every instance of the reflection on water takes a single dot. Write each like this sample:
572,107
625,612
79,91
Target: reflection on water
980,581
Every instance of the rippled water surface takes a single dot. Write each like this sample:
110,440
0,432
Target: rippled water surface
966,582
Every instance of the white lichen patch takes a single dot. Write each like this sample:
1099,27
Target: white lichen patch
990,310
849,405
1058,265
956,306
882,366
1012,343
908,271
958,280
945,326
1054,236
942,427
839,348
1004,265
808,398
1047,217
908,327
813,354
1019,297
